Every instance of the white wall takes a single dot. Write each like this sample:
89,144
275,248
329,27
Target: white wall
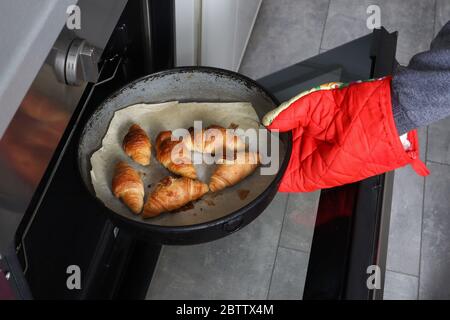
186,18
226,26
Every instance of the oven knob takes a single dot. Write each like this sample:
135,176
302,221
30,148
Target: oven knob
81,63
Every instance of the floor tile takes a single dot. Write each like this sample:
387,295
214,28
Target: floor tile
442,14
285,32
423,142
346,21
299,222
439,141
435,259
246,11
289,275
414,19
400,286
406,222
236,267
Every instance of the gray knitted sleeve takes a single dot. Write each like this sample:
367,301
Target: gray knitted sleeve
421,91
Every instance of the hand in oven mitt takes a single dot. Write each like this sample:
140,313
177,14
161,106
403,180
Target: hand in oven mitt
342,133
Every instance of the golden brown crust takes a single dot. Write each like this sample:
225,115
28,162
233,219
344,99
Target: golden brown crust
214,138
181,164
137,145
128,186
173,193
230,173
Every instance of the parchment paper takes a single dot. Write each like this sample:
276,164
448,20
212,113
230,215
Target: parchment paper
154,118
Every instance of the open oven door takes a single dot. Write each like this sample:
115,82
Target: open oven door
348,254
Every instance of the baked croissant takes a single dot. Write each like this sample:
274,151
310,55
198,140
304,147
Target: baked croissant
128,186
137,145
176,161
230,172
173,193
212,139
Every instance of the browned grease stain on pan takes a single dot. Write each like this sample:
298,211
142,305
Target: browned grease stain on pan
243,193
186,207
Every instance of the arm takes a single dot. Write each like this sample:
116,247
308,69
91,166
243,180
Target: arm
421,91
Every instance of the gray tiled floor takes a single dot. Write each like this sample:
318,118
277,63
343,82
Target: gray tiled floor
289,275
442,14
428,223
400,286
299,221
435,259
285,32
414,19
439,141
406,222
423,142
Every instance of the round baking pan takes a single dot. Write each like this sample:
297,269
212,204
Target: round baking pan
187,84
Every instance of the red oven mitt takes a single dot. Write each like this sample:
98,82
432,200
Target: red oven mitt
342,133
